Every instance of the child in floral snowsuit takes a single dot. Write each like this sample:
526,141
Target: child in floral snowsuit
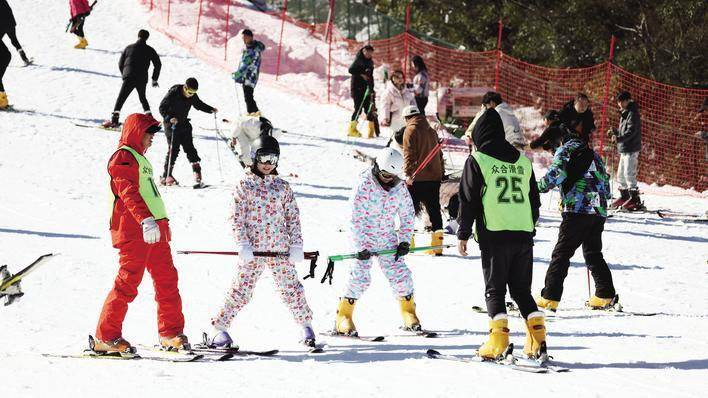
266,219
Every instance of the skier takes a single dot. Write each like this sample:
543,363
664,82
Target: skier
629,142
584,185
248,129
133,64
174,109
498,191
378,199
577,115
394,99
80,9
7,26
266,225
362,89
420,83
248,70
552,135
140,231
512,128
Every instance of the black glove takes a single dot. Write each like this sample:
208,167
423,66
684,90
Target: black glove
363,255
154,83
402,249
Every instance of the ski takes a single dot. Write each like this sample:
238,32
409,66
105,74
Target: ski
12,108
97,126
10,284
544,364
615,306
188,353
670,215
200,185
234,351
507,363
428,334
122,356
376,339
511,309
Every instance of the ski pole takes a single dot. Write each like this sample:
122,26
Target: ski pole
428,158
588,269
238,100
168,172
218,155
312,256
329,273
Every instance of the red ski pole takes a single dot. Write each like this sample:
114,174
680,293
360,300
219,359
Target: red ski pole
428,158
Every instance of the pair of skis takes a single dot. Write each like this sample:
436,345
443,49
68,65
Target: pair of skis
507,359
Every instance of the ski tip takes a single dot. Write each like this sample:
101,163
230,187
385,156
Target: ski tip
432,353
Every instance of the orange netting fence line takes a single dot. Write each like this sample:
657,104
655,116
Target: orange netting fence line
311,58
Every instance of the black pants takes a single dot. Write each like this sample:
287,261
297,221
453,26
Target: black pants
127,88
5,58
509,264
428,193
248,97
361,104
182,137
576,230
77,25
421,102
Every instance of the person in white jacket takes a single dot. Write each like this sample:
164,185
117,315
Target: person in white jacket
247,129
395,97
512,129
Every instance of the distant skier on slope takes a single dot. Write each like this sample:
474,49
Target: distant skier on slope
133,65
140,231
379,198
174,109
266,226
362,89
7,26
498,193
249,69
80,9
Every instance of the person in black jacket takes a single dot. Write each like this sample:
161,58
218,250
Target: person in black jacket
498,191
577,116
174,109
552,135
7,26
133,64
629,142
362,71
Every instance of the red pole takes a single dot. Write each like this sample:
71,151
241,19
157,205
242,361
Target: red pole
169,4
499,56
608,80
199,19
407,41
151,5
226,33
280,41
329,51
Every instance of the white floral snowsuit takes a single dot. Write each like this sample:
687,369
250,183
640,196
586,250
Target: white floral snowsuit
373,227
265,215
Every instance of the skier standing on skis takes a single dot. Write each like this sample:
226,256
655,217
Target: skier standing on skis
133,65
140,231
249,69
7,26
629,142
584,184
248,129
378,199
362,89
266,225
174,109
498,192
80,9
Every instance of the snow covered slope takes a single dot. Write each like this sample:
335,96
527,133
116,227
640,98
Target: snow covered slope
55,198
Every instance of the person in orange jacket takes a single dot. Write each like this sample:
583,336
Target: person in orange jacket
141,233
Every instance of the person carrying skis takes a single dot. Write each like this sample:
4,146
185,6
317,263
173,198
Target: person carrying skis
249,69
266,226
80,9
584,184
174,109
7,26
498,192
248,129
362,89
629,142
140,231
377,200
133,65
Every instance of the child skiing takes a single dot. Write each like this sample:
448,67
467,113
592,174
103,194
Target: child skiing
140,231
80,9
380,197
248,128
266,225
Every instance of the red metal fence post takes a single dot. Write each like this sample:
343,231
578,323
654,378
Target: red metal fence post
330,27
169,6
199,19
499,56
608,81
280,41
151,5
407,41
226,33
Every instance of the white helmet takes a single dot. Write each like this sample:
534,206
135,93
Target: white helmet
390,161
411,110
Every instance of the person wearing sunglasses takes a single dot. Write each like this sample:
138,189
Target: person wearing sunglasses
174,109
266,226
378,199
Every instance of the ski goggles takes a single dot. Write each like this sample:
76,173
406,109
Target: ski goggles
267,158
386,174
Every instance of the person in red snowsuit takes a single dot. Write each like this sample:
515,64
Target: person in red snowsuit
141,233
80,9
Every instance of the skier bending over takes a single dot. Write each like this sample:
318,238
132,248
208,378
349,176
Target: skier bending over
249,128
140,231
380,197
266,225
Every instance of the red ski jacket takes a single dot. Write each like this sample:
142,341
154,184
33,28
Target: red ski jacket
79,7
129,208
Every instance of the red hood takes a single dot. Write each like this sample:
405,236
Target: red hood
133,130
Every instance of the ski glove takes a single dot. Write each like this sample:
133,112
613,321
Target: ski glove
402,249
363,255
245,252
151,231
296,254
154,83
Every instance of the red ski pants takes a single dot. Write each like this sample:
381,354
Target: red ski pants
134,257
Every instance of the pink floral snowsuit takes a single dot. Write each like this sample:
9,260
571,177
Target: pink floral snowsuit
266,216
373,227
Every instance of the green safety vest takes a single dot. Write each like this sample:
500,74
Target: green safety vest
505,197
147,188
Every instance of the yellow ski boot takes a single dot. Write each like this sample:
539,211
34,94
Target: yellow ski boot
4,104
436,239
371,130
546,304
597,303
353,132
535,334
498,338
344,324
410,320
83,43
